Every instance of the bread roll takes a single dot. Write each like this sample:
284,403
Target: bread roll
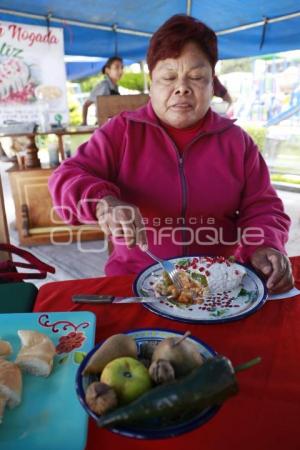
36,354
5,349
10,385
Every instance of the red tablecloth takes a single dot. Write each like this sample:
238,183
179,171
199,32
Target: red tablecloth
265,415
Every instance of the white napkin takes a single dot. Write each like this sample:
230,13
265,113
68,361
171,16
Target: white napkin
287,294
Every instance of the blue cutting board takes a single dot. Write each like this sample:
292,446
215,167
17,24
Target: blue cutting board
50,416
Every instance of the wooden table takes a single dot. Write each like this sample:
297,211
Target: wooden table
31,158
36,221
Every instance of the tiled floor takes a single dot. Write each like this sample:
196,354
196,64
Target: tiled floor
74,262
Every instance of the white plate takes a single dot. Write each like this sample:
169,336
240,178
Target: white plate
218,308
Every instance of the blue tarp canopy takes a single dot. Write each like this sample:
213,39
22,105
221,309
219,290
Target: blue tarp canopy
105,27
77,69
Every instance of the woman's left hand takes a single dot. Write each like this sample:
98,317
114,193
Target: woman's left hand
275,267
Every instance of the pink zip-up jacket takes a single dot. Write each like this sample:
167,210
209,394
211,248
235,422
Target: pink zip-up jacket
198,203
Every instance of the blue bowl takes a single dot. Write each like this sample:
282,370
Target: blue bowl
151,429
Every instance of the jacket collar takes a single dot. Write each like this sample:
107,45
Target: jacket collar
214,123
111,85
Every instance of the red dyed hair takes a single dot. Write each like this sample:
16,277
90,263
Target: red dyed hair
169,40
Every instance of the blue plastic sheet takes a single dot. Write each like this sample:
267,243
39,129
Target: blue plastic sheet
124,17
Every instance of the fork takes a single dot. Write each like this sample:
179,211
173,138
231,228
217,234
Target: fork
169,268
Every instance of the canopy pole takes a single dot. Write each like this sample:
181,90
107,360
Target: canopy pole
259,24
142,66
188,7
263,35
78,23
114,28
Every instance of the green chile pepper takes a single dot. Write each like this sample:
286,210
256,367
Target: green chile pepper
206,386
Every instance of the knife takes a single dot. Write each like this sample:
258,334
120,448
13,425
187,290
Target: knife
103,299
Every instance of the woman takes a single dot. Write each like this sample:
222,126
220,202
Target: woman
113,71
175,176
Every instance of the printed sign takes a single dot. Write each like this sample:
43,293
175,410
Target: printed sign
32,73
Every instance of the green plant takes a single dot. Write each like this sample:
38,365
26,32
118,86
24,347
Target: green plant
134,81
87,84
129,80
258,135
236,65
291,179
75,117
42,141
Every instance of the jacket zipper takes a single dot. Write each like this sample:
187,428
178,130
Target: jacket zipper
184,201
181,173
183,188
183,184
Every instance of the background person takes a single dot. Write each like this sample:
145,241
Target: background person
113,70
177,159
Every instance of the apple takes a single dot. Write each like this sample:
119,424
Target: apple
128,377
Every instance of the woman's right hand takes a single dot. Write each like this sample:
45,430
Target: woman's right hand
121,220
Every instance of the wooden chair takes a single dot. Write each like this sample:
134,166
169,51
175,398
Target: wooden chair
110,105
14,297
4,236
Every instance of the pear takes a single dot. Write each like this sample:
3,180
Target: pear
116,346
183,355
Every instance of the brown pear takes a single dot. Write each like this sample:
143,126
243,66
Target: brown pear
115,346
183,355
